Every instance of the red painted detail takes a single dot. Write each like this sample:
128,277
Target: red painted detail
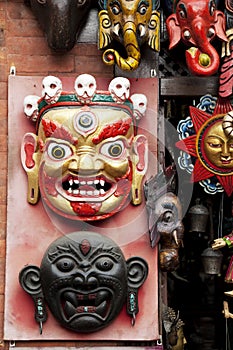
29,151
41,146
85,247
112,130
85,209
58,131
226,76
141,151
123,187
110,57
49,184
193,61
227,183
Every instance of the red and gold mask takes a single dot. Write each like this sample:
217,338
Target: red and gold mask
85,159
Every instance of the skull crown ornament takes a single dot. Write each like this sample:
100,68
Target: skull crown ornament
86,159
85,280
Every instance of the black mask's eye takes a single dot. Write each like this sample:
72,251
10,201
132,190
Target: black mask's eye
104,264
42,2
65,264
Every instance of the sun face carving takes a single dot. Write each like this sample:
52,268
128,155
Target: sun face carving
212,147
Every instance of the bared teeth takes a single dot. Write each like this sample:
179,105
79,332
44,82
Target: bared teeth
102,308
90,309
69,309
86,188
86,303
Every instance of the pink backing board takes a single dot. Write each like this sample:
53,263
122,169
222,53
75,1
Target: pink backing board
31,229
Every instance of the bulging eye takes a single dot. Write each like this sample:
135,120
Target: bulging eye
116,9
104,264
81,2
142,9
212,7
65,264
167,217
113,149
182,12
57,151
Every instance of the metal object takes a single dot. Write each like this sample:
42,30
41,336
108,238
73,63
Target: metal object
198,215
212,261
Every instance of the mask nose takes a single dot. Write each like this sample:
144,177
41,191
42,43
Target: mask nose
86,162
82,162
225,152
85,282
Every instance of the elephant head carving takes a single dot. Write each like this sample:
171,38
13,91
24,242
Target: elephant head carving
197,23
164,213
130,23
61,20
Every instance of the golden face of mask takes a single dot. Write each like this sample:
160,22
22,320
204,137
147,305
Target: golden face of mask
218,147
86,166
123,10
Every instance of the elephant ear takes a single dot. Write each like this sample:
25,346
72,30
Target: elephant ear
153,30
220,24
104,29
174,31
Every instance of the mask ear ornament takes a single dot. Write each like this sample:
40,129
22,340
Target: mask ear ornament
30,161
137,274
29,279
140,164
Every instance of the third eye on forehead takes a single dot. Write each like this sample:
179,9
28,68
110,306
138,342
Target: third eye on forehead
85,121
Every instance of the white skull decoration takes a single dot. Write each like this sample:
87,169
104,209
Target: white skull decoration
85,87
139,105
30,105
119,88
52,88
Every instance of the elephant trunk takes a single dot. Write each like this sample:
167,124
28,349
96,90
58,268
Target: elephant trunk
111,56
204,60
62,38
